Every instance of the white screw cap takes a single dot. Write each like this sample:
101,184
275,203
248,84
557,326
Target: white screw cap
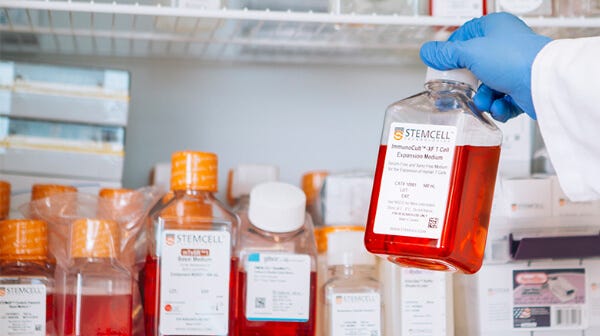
347,248
459,75
277,207
244,177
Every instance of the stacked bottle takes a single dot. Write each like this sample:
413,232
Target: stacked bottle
243,178
187,276
97,293
276,288
26,280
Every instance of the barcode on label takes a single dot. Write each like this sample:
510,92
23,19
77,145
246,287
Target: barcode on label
567,317
433,223
260,302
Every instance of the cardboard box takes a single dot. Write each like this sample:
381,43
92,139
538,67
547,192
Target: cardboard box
517,146
562,206
545,298
346,198
525,197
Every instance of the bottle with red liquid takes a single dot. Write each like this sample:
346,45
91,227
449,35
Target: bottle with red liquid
26,281
188,273
278,263
96,298
435,177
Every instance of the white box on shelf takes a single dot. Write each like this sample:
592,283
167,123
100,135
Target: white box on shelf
66,164
161,175
562,206
21,187
456,8
549,298
517,146
346,198
39,91
526,197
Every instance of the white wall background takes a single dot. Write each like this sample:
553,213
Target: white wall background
300,117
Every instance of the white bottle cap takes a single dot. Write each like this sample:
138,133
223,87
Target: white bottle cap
347,248
244,177
459,75
277,207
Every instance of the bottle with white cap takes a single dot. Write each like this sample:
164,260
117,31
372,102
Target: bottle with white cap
277,253
352,295
243,178
435,177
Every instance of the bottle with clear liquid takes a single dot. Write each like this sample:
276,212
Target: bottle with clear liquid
277,270
188,271
243,178
26,280
97,294
352,295
435,177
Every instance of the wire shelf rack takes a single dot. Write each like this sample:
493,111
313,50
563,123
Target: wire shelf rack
145,29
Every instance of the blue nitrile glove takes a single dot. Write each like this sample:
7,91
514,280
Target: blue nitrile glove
499,49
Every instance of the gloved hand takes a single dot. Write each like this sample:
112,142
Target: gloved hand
499,49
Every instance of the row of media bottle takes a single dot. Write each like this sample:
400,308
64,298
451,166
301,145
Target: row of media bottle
184,264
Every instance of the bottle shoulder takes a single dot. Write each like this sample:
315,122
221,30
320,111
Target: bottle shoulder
35,269
354,284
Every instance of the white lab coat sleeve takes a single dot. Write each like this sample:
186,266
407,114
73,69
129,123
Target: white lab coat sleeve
565,87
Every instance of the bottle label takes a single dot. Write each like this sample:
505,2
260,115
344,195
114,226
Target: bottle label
415,181
278,287
23,310
424,302
194,282
356,314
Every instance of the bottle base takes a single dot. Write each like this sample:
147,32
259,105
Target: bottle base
423,263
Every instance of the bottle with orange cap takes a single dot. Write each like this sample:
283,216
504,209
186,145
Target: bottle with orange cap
4,200
187,276
96,298
26,282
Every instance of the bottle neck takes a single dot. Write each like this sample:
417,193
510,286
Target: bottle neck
346,271
443,86
193,193
243,203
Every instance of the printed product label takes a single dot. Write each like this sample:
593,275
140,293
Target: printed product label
423,302
458,8
357,314
23,310
194,287
416,180
278,287
549,298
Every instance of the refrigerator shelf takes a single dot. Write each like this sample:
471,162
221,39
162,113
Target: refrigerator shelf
144,29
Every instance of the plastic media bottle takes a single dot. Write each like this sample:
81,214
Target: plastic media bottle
187,277
277,270
26,282
353,303
96,298
435,177
4,200
243,178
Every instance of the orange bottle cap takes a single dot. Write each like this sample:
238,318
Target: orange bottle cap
194,171
39,191
23,239
312,183
4,199
114,192
120,202
94,238
322,233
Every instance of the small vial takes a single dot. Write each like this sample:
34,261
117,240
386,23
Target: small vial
277,270
352,295
435,178
4,200
26,281
243,178
97,294
187,276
